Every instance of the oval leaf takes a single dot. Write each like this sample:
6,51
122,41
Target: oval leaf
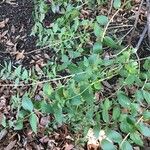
126,146
136,138
123,100
114,136
106,145
102,20
97,47
117,4
33,122
27,103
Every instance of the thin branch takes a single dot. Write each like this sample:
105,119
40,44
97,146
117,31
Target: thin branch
141,38
111,5
47,46
40,82
136,21
148,17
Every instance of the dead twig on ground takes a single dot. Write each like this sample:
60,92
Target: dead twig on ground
141,38
111,5
148,18
138,45
136,21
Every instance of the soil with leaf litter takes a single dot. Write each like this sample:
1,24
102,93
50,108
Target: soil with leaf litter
16,21
16,45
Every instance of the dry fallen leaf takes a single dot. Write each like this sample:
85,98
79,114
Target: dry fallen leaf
1,117
3,133
68,146
2,24
9,43
11,2
44,121
94,142
10,145
20,55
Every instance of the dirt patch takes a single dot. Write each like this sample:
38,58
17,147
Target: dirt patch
16,22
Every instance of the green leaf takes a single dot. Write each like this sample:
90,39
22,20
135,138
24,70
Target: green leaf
97,47
123,100
33,122
55,27
130,79
107,104
108,41
18,71
86,62
27,103
144,129
47,89
25,75
65,58
139,96
116,113
146,96
146,115
102,20
131,120
18,125
97,85
97,30
117,4
126,146
147,86
58,115
87,95
3,122
106,145
135,137
114,136
46,108
76,101
105,115
126,127
96,130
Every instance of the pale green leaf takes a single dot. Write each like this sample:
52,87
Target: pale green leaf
47,89
106,145
108,41
123,100
116,113
114,136
136,138
102,20
145,130
146,96
126,146
97,30
27,103
97,47
33,122
117,4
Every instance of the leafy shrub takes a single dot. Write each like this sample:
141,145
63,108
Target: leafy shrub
79,98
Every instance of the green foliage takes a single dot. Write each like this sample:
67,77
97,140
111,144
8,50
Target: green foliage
117,4
33,122
102,20
107,145
27,103
126,146
80,57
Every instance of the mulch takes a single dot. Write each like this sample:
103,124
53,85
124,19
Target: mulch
16,22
